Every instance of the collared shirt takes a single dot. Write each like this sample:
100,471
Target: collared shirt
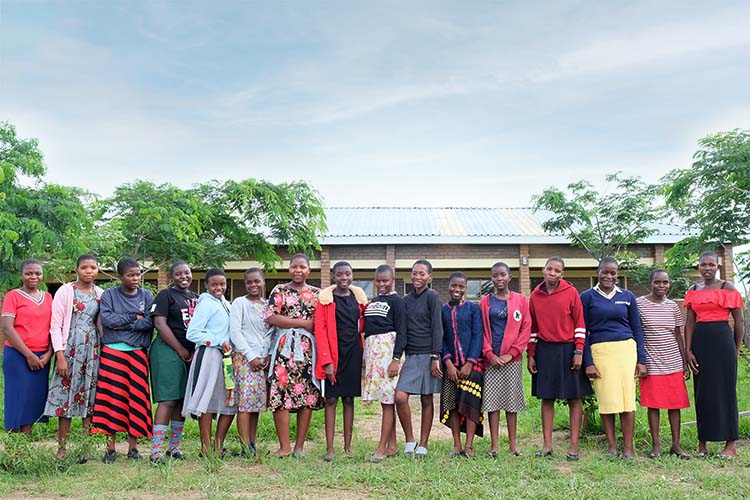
609,295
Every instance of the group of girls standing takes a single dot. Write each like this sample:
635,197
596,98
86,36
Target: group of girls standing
304,348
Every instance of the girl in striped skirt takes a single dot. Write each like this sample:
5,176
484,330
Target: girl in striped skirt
123,400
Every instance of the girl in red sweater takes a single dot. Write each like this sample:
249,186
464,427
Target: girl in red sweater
555,354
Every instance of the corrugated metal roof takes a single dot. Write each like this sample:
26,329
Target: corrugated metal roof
378,225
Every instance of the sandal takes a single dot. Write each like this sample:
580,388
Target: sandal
469,452
679,454
654,455
571,457
721,456
543,454
492,454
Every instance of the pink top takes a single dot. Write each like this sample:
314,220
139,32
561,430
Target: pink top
62,312
31,318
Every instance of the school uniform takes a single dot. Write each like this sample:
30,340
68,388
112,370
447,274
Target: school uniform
251,339
384,320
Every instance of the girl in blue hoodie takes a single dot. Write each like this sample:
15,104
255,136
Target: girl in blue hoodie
206,392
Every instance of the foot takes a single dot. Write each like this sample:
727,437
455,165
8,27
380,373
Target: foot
282,453
156,458
543,454
329,457
298,454
421,452
348,453
60,453
391,452
249,451
469,452
134,454
376,459
679,453
516,452
110,456
571,457
409,448
176,453
492,454
722,456
655,453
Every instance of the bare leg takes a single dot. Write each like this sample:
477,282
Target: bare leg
253,429
627,422
26,429
281,422
348,424
428,413
111,442
575,407
674,427
330,425
404,415
222,427
453,421
653,428
702,446
608,423
132,442
165,412
387,432
204,426
243,428
494,418
548,421
303,424
512,420
63,430
392,446
471,429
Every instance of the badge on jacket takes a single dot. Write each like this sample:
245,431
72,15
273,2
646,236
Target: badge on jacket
517,315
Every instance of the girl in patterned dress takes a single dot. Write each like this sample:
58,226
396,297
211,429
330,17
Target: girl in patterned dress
293,386
75,340
251,339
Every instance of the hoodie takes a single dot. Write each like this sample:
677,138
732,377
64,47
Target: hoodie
556,316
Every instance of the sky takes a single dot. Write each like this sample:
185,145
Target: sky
374,103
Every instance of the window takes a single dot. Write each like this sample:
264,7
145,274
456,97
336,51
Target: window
474,289
366,285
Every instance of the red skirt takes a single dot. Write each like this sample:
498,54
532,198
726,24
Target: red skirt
665,392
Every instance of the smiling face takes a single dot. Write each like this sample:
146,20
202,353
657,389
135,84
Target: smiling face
553,273
708,267
182,277
131,278
254,283
607,276
87,271
342,276
420,277
457,288
660,284
384,283
299,269
31,276
500,278
216,286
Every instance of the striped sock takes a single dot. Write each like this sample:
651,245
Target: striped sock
160,432
175,437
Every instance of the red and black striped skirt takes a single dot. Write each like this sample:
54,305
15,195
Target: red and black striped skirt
123,401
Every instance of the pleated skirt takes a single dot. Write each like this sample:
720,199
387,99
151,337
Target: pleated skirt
206,390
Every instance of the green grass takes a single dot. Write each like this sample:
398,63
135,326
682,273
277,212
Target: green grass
27,467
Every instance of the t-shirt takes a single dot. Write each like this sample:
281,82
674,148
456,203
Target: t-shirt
385,314
177,307
31,318
498,321
659,320
347,314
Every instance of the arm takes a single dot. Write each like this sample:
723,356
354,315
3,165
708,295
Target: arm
111,319
531,348
445,353
739,328
524,331
588,360
284,322
477,336
162,328
15,340
199,321
689,329
144,322
399,319
634,319
60,306
322,341
436,322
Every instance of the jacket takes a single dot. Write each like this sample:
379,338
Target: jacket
62,314
517,330
326,340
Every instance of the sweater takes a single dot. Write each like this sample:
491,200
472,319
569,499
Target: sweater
556,317
118,313
210,323
385,313
326,339
611,320
424,325
62,313
517,330
463,333
249,329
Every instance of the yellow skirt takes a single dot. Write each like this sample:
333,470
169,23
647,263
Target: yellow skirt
615,390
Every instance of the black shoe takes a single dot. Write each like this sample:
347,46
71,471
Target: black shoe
134,454
177,454
571,457
110,457
543,454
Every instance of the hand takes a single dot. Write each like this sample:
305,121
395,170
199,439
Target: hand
61,365
450,372
238,360
256,364
577,362
330,374
266,362
436,371
139,316
34,362
495,361
394,368
185,355
226,347
466,370
531,365
693,362
505,359
640,370
686,372
592,372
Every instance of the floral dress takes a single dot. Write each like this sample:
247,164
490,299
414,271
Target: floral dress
291,376
73,396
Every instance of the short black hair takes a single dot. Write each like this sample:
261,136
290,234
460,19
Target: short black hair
86,256
252,270
709,253
341,263
125,264
657,270
425,263
456,274
177,264
300,256
385,268
497,265
607,260
555,258
30,262
214,271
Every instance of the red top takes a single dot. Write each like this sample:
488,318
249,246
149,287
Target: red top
517,330
556,317
713,305
31,319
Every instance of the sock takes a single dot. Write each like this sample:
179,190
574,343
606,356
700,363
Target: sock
175,437
160,431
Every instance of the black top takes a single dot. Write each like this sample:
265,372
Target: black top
385,314
177,307
424,325
347,315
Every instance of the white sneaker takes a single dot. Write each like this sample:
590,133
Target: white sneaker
421,452
409,448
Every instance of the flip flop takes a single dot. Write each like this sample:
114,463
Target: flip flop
571,457
679,454
721,456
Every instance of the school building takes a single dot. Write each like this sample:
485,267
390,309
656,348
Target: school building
452,239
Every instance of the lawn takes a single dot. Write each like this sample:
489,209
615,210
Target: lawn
28,469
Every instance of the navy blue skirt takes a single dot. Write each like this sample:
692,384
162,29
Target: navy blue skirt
25,390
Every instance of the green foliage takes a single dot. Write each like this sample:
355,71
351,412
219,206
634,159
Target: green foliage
37,220
604,224
679,262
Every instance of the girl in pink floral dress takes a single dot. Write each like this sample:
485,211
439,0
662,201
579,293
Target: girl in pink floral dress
293,387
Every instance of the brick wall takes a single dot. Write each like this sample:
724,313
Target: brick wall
498,252
357,252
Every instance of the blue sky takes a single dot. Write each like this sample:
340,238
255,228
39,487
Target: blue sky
374,103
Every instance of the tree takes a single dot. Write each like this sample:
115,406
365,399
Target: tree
37,220
603,224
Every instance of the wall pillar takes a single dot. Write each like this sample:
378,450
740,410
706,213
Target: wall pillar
658,254
727,262
325,268
390,255
162,279
524,279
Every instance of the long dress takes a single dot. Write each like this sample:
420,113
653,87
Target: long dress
292,382
73,396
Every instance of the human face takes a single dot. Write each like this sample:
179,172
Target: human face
384,283
254,283
216,286
131,279
500,279
31,276
182,277
660,285
457,288
607,275
299,270
343,277
87,271
420,277
553,273
708,267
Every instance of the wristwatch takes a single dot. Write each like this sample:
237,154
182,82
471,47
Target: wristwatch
578,351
